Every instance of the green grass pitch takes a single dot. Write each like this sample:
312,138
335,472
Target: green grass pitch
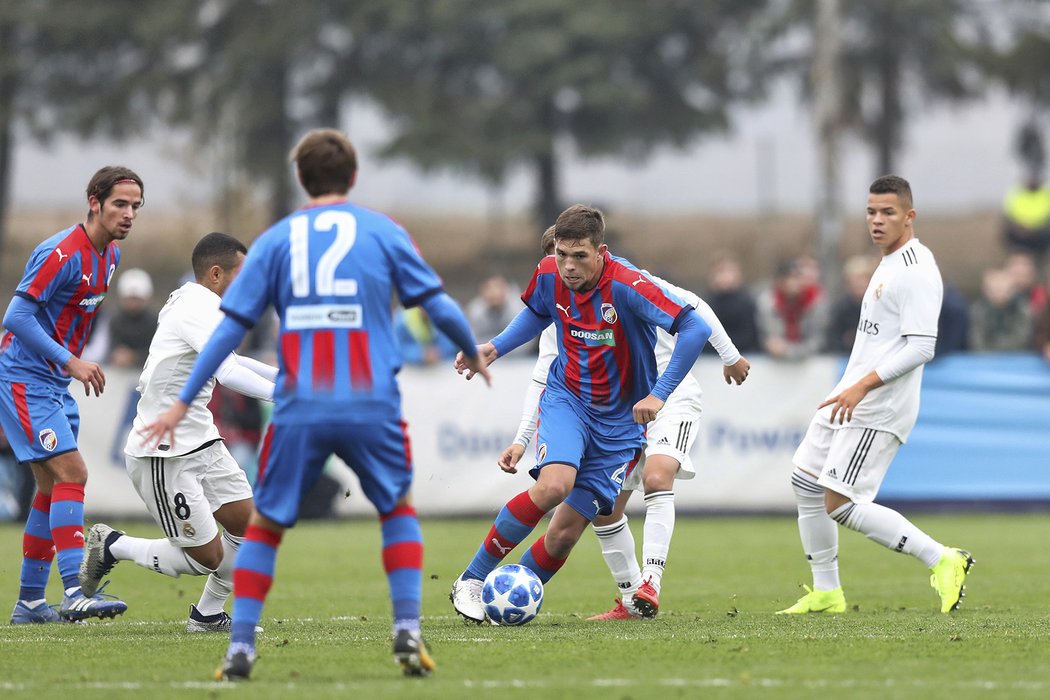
327,624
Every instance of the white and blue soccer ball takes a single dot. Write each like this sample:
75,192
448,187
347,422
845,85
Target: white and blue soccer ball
512,595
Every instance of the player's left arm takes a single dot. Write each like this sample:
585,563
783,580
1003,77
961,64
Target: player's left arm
735,367
692,332
234,374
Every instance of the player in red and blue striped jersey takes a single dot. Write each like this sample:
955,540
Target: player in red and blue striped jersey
48,322
602,389
330,270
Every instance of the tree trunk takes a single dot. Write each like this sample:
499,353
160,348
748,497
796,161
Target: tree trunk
548,200
887,129
8,93
278,142
827,102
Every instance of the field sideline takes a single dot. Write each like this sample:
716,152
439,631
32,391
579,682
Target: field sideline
327,624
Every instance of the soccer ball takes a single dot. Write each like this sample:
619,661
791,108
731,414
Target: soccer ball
512,595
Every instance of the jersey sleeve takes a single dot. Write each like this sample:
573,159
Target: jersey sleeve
249,294
649,301
46,272
538,290
919,298
414,278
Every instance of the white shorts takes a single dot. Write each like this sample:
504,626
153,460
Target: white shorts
181,493
673,434
849,461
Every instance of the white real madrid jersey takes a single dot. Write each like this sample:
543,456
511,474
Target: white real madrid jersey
184,325
903,298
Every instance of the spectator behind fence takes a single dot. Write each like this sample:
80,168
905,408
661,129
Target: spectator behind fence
792,314
1026,217
132,325
1042,333
421,343
953,325
16,484
1000,320
1024,273
733,303
495,306
845,312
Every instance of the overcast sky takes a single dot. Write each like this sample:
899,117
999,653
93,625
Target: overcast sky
957,159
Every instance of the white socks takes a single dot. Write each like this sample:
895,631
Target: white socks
219,585
890,529
158,555
818,532
617,544
658,528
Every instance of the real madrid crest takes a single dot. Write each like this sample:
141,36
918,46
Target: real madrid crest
609,313
188,530
878,291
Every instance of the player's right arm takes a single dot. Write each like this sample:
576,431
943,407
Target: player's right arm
20,319
512,454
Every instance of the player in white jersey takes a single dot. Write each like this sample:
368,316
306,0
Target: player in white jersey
858,429
665,458
186,493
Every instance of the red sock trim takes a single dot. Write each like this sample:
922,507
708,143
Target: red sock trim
66,537
406,555
254,533
497,545
545,560
251,584
37,548
397,512
67,491
42,501
525,509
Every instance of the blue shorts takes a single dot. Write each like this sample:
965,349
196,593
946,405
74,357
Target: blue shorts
40,421
293,457
602,457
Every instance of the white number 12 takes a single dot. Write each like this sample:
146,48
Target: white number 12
345,226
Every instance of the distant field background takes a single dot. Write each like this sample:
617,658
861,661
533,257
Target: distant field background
327,624
466,248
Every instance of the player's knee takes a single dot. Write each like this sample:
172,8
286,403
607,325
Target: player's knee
209,555
208,560
657,480
549,494
833,501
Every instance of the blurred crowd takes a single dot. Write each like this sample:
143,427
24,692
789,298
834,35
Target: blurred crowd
789,317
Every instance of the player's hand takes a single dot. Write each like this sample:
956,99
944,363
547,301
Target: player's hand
645,410
162,430
88,373
736,372
487,354
508,461
846,400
